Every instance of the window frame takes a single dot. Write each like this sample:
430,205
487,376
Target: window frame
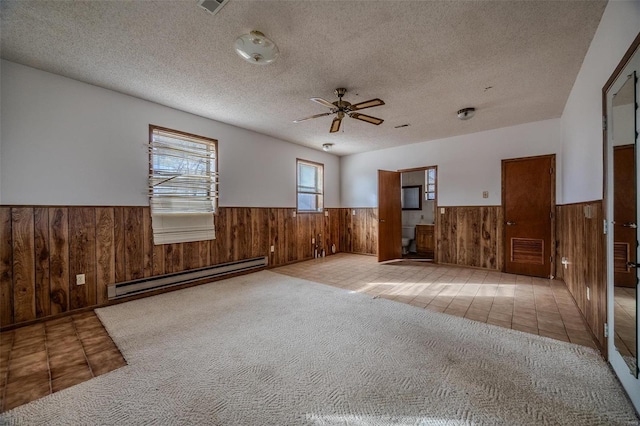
435,183
298,192
204,139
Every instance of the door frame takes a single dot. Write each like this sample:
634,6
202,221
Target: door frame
435,207
629,383
503,238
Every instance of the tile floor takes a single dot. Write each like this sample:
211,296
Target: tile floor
43,358
533,305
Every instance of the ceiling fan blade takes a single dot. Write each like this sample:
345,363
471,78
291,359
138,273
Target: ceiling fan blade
335,125
367,118
367,104
313,116
323,102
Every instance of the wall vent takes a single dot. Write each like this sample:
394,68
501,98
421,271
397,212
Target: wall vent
143,285
212,6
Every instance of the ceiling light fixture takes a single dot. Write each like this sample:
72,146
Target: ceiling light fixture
256,48
466,113
327,147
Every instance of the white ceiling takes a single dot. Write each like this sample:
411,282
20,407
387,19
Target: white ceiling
425,59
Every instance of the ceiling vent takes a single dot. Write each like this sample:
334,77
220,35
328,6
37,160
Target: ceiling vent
212,6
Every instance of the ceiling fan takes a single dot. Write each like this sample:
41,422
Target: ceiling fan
342,108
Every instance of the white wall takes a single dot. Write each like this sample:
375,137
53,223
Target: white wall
64,142
582,116
467,165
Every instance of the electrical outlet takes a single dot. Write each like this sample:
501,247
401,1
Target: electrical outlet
588,294
485,194
294,213
441,210
273,249
326,213
80,279
313,241
353,212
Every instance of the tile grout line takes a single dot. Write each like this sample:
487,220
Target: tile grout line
555,302
84,352
562,319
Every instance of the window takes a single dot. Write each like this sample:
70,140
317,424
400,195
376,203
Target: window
310,183
182,185
430,187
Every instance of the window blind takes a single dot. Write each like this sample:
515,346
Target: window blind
182,186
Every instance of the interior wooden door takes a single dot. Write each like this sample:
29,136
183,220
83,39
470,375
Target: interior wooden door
528,198
389,216
624,215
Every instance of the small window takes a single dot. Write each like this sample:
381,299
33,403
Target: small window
430,187
310,187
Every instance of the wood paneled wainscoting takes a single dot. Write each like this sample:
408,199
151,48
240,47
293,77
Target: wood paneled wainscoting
582,242
359,230
43,248
470,236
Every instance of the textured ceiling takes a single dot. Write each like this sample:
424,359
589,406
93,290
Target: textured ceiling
425,59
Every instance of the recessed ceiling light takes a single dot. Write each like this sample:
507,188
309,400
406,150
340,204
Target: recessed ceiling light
466,113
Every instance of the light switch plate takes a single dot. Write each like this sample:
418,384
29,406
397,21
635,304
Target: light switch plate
80,279
485,194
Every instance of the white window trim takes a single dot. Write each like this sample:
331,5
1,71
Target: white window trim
320,167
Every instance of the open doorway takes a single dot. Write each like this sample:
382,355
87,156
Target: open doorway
419,200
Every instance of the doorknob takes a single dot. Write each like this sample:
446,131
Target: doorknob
509,223
632,265
630,225
381,220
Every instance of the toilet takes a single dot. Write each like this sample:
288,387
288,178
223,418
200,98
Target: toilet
408,235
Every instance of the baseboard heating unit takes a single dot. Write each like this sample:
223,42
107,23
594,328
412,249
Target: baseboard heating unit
142,285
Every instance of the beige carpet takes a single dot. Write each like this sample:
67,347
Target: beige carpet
270,349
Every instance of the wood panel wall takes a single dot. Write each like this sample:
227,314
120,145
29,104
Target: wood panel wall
470,236
42,249
359,230
581,241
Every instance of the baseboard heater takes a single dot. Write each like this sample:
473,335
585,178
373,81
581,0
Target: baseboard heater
142,285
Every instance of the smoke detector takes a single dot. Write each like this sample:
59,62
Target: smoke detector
466,113
327,147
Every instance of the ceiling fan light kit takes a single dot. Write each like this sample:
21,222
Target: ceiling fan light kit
343,108
256,48
466,113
